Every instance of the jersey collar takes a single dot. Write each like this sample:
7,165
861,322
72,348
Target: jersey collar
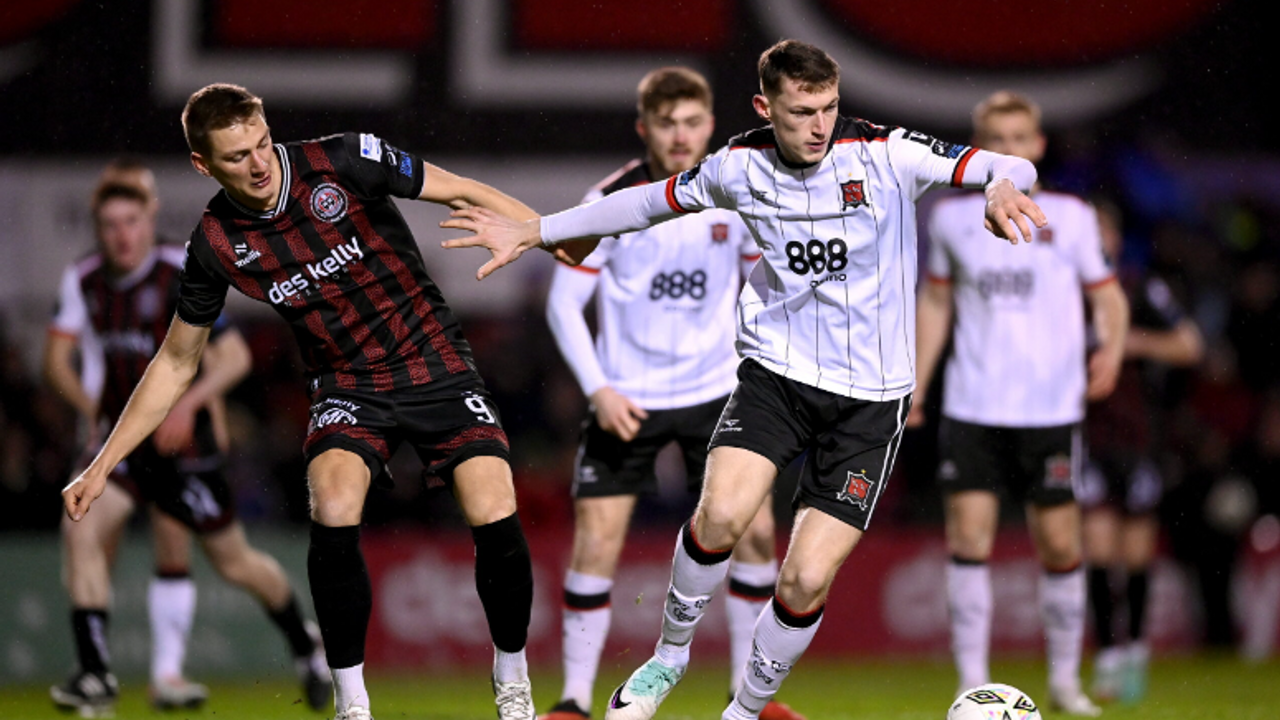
282,200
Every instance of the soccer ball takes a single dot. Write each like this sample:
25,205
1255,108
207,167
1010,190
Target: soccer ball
993,701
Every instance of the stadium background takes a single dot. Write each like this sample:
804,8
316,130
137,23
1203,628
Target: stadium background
1156,106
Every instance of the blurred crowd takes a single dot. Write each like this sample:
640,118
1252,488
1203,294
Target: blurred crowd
1217,426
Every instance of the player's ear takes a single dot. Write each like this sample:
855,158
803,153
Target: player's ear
642,130
200,165
761,104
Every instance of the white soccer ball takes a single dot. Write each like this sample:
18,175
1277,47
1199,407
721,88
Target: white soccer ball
993,701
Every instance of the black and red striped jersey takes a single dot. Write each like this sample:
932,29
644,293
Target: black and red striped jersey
337,261
119,322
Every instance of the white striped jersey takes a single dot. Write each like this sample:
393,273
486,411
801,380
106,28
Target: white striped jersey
1018,357
832,305
664,299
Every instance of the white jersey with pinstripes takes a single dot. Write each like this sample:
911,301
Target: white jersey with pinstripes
664,306
1018,357
832,303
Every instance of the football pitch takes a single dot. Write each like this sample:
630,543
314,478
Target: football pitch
1202,688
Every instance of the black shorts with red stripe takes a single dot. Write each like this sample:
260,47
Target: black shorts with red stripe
444,424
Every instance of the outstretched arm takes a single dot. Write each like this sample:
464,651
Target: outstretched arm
507,238
167,377
443,187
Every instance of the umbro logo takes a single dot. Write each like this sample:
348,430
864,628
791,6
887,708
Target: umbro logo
730,425
762,198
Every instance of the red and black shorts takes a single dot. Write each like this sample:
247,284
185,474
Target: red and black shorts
445,426
851,443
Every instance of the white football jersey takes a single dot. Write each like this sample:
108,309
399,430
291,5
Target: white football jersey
832,304
1018,357
664,301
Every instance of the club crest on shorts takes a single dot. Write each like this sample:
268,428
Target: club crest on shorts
719,232
1057,471
852,195
857,489
329,202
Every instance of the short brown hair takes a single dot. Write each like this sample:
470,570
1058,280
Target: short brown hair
215,107
669,84
807,64
129,170
1001,102
108,191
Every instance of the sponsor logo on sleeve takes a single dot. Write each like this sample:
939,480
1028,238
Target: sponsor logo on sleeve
370,147
940,148
687,176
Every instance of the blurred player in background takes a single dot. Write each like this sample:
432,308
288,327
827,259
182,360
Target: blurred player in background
311,228
114,307
826,326
1121,487
660,372
1014,395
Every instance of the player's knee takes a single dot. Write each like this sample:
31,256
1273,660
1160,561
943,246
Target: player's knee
802,589
719,527
336,509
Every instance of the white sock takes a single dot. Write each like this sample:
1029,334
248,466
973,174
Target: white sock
970,602
748,582
171,605
585,631
692,585
510,667
775,649
348,687
1062,608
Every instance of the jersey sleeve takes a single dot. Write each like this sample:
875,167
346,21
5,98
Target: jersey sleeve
699,188
376,169
1166,311
70,314
570,291
1091,262
201,293
922,162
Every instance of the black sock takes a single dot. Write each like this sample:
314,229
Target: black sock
504,581
90,630
289,620
341,592
1137,588
1103,606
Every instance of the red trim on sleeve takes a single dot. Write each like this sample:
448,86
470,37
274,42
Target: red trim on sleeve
751,258
937,279
584,268
671,195
957,177
1099,283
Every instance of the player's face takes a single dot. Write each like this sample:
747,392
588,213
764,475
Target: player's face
676,135
802,121
1011,133
242,160
126,233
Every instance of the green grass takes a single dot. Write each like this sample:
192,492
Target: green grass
1202,688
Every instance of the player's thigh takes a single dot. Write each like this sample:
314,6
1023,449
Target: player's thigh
338,480
1101,534
972,517
737,483
855,446
759,544
599,532
1139,538
1055,531
819,545
171,541
484,489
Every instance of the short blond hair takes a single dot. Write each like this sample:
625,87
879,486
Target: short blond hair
1003,102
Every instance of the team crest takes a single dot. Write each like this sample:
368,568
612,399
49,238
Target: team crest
852,195
329,202
1044,234
857,489
719,232
1057,471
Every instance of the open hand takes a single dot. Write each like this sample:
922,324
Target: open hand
1008,211
506,239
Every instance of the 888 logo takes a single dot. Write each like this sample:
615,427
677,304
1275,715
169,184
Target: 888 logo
679,284
816,256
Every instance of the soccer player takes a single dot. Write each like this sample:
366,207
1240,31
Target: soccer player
311,228
826,324
114,305
1014,395
660,372
1121,487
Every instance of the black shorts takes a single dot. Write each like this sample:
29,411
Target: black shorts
1130,482
607,466
1036,465
851,443
444,425
193,490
